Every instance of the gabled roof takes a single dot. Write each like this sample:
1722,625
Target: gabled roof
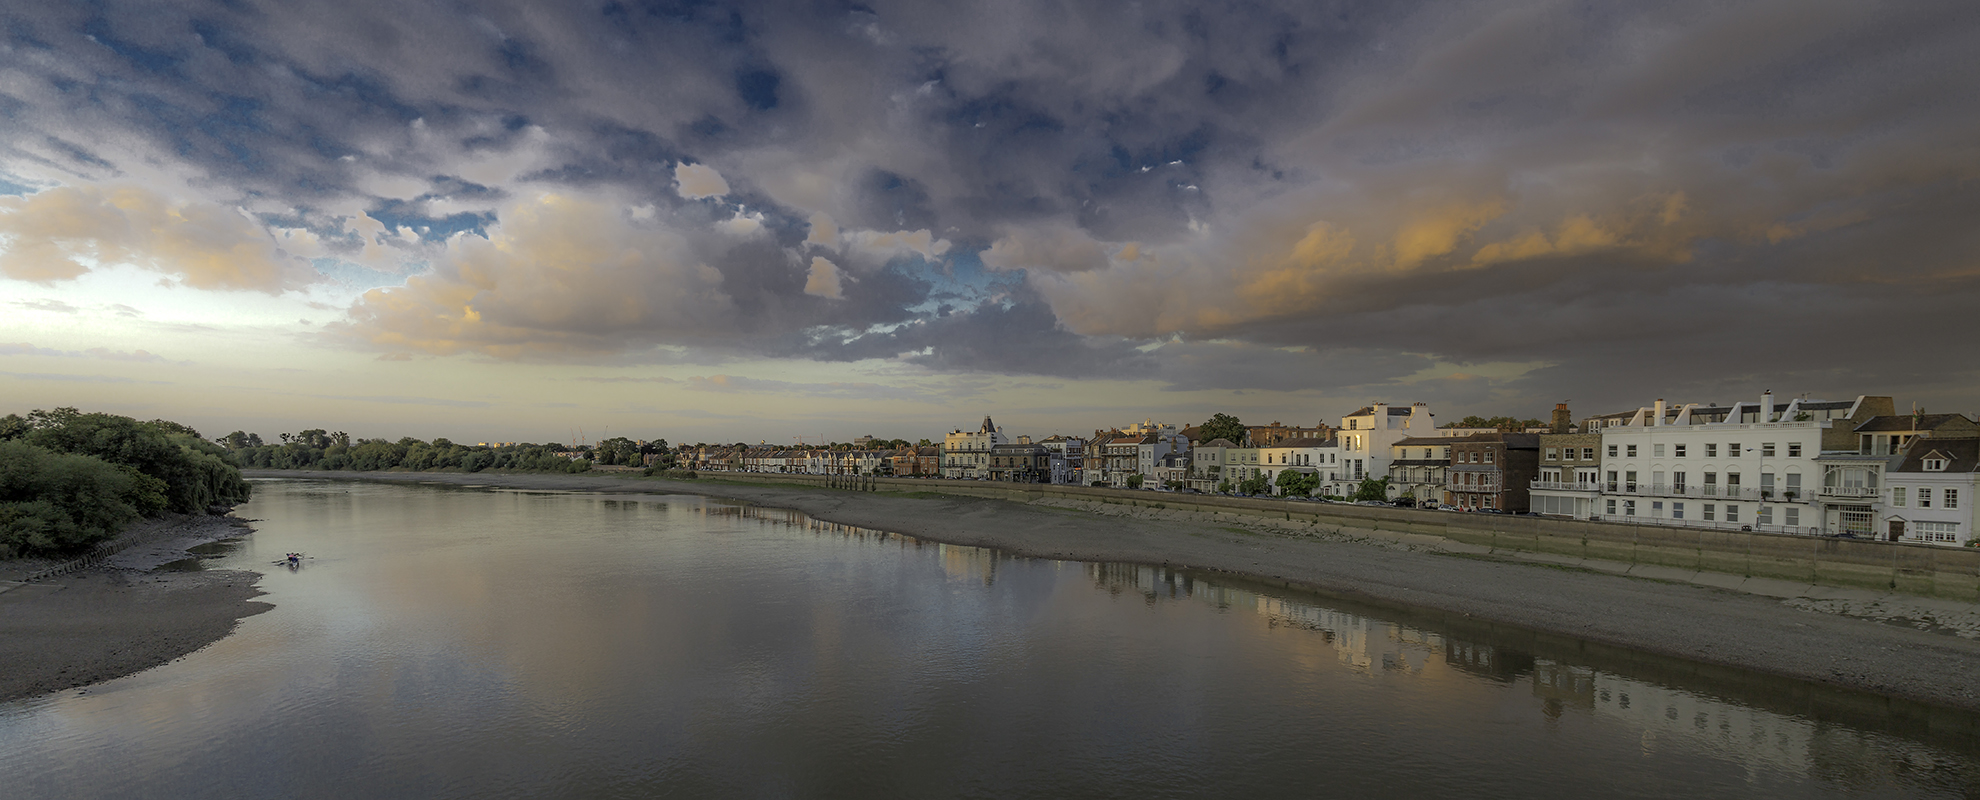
1304,441
1962,455
1217,442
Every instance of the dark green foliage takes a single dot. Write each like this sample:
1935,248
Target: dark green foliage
1293,483
1256,484
617,450
54,502
13,426
1223,426
191,473
315,449
1372,489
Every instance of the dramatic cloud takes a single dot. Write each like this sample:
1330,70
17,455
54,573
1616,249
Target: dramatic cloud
59,234
1287,197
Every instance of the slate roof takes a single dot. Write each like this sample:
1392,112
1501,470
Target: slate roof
1963,455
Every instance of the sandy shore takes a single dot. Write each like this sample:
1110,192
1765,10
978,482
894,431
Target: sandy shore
119,618
1717,627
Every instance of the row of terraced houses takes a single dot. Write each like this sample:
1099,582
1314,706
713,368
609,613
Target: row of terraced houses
1799,465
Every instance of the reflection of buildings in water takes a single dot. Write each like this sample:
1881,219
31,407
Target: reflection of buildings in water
1561,686
968,563
1359,642
1503,666
1750,736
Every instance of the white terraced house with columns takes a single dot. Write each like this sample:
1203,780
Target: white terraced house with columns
1749,466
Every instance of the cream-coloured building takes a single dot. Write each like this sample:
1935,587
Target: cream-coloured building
966,454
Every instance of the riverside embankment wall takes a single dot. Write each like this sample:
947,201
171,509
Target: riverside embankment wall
1919,569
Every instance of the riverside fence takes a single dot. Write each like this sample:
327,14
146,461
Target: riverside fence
1918,569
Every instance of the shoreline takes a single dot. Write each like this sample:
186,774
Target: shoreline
1708,625
119,618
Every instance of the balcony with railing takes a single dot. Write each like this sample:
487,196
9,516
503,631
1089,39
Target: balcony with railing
1486,483
1705,491
1854,492
1568,486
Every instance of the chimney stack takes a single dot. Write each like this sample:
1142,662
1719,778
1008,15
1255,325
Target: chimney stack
1767,406
1659,419
1562,419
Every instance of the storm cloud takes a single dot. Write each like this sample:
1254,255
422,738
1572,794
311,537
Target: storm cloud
1364,197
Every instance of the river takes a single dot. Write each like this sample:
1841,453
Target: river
443,641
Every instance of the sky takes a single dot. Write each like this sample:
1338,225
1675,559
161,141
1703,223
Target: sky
764,221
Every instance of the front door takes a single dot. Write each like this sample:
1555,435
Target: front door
1897,529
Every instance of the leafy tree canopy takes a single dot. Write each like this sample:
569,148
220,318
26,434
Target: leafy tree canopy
1223,426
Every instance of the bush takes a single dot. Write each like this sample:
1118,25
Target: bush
193,474
54,502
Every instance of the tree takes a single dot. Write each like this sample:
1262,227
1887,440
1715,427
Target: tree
1224,487
1134,481
1256,484
13,426
1294,483
1223,426
1372,489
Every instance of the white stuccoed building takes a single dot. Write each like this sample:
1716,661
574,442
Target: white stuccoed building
1366,442
1308,455
1930,492
1744,466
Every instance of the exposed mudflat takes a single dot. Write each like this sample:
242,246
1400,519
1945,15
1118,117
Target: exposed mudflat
119,618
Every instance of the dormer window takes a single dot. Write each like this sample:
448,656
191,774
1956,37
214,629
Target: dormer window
1934,463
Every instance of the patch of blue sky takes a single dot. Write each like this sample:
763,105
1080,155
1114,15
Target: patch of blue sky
9,186
434,229
357,276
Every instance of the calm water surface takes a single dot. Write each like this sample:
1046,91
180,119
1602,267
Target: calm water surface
451,642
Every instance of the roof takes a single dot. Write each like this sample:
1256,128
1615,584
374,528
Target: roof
1217,442
1425,441
1962,455
1394,411
1907,422
1304,441
1520,441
